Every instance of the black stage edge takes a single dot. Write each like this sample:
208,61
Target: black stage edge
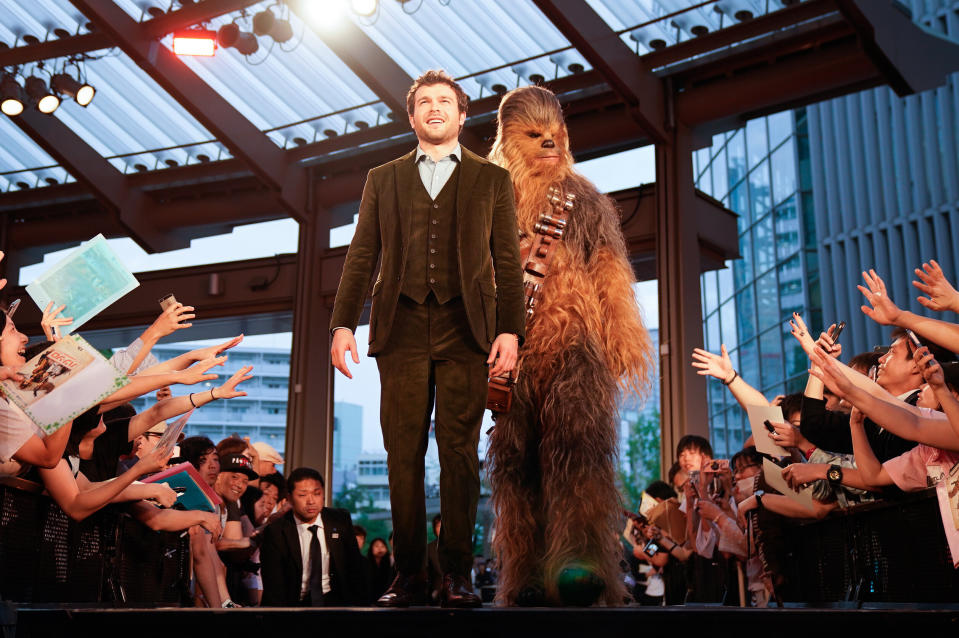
37,622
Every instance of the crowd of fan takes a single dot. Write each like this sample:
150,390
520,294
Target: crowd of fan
858,432
883,424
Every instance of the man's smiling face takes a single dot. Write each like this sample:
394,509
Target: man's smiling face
436,117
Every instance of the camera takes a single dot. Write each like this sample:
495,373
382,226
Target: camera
652,547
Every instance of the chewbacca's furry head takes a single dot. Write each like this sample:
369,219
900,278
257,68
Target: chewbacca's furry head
531,138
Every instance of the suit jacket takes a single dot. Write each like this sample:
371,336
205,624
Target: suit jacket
281,562
487,243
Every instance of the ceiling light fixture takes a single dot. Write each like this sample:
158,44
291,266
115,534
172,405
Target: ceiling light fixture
81,92
195,42
38,92
11,96
364,8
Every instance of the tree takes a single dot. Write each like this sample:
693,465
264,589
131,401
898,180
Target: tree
639,461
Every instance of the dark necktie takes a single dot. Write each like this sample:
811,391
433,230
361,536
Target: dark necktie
316,569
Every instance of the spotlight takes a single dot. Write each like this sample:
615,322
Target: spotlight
40,94
247,44
282,31
227,35
82,93
364,8
11,96
195,42
263,22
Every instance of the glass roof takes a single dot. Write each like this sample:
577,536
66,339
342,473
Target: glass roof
300,91
650,25
470,38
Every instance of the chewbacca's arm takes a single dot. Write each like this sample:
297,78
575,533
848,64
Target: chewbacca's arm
625,339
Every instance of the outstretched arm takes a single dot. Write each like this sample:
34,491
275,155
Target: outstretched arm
903,420
884,311
720,366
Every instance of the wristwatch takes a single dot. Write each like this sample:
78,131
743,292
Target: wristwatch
834,474
759,498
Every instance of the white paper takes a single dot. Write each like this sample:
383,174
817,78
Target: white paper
86,281
774,479
757,414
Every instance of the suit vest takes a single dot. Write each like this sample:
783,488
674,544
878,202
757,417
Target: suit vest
431,260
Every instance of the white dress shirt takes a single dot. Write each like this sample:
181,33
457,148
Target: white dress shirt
306,537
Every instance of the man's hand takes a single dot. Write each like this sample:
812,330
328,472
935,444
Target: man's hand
211,523
798,475
883,310
941,294
829,371
718,366
502,355
929,367
343,342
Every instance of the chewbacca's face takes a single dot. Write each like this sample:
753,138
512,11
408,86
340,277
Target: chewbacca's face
541,144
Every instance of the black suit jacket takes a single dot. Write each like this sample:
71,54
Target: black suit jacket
487,241
281,563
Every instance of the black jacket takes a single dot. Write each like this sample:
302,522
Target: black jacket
829,430
281,563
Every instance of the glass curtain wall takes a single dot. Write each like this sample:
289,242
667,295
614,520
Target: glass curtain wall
760,172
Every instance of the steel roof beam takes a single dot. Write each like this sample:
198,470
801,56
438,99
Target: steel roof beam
910,57
625,71
87,42
131,205
268,161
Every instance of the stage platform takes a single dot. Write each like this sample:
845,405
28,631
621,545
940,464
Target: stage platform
489,622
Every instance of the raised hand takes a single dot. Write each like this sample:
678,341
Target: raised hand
51,323
228,390
171,320
198,371
718,366
940,293
929,368
802,334
883,310
216,350
830,372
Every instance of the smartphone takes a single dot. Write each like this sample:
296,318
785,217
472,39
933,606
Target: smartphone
166,301
913,339
651,548
837,331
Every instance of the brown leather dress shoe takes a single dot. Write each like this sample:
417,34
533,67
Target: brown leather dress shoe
404,591
457,592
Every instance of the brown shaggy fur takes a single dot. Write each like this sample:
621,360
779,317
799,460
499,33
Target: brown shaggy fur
552,458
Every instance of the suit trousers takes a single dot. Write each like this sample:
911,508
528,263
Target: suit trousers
432,355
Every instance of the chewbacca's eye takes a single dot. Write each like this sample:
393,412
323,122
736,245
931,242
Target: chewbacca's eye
534,134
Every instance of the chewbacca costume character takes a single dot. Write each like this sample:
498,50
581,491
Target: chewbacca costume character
552,457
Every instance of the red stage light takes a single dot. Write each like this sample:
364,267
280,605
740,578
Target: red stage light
194,42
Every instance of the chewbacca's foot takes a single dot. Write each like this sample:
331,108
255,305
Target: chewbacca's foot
531,596
579,585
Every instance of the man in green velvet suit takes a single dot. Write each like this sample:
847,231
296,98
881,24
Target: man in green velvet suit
447,304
